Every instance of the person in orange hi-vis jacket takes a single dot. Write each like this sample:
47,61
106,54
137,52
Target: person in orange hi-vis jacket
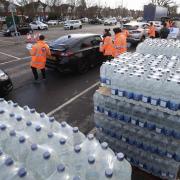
152,31
106,47
39,53
120,43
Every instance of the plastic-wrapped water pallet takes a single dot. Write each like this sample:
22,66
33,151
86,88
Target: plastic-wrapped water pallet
167,47
34,146
149,138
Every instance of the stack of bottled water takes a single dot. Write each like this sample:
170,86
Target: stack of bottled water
137,111
34,146
168,47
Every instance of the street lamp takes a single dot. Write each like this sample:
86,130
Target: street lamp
12,9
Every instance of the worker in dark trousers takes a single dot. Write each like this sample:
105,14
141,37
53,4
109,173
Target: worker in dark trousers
164,32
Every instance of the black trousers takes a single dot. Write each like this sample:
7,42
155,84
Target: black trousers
35,73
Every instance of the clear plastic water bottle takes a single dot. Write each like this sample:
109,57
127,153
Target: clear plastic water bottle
4,134
60,173
21,174
122,169
41,161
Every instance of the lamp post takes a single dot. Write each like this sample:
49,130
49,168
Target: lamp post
12,9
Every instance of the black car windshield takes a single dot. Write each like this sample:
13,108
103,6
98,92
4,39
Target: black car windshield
131,27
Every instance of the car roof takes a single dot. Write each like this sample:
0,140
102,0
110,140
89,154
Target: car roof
136,23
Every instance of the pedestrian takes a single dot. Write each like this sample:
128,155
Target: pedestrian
152,31
120,42
164,32
39,53
106,46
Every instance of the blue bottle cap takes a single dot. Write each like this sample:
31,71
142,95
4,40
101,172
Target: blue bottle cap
63,124
76,178
75,129
28,123
91,159
38,128
18,118
51,119
22,139
34,147
22,172
10,102
1,152
60,168
12,133
104,145
77,148
120,156
42,115
9,161
2,111
50,134
3,127
25,108
32,111
90,136
62,141
109,172
46,155
15,105
11,115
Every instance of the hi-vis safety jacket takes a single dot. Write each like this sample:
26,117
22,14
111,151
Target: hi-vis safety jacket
39,53
107,46
152,31
120,44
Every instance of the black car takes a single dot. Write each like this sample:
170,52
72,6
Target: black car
75,52
22,30
95,21
5,83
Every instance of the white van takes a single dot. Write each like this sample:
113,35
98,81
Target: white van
110,21
72,24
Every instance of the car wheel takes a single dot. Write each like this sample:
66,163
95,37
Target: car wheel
83,66
80,27
39,28
71,28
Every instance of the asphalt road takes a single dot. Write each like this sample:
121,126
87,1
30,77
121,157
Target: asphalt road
67,97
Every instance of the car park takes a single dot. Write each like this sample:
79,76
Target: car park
138,31
21,30
110,21
5,83
52,22
37,25
75,52
73,24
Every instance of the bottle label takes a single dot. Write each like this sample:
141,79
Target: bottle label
154,102
163,104
120,93
141,124
108,82
123,139
133,121
169,155
141,165
145,99
158,130
106,112
113,91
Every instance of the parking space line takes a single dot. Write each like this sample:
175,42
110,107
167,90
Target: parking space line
10,55
7,41
72,99
19,59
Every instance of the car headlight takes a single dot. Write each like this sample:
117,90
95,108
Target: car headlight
3,76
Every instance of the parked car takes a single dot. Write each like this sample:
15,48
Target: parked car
84,20
138,31
53,22
38,25
75,52
110,21
95,21
23,30
72,24
5,83
140,19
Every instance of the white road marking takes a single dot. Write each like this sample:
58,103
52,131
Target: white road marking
20,59
72,99
10,55
7,41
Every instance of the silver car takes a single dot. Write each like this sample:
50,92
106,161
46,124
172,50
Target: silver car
138,31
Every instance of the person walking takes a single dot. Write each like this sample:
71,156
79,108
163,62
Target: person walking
152,31
106,46
120,43
39,53
164,32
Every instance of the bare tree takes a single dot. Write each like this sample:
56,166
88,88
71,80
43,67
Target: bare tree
165,3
